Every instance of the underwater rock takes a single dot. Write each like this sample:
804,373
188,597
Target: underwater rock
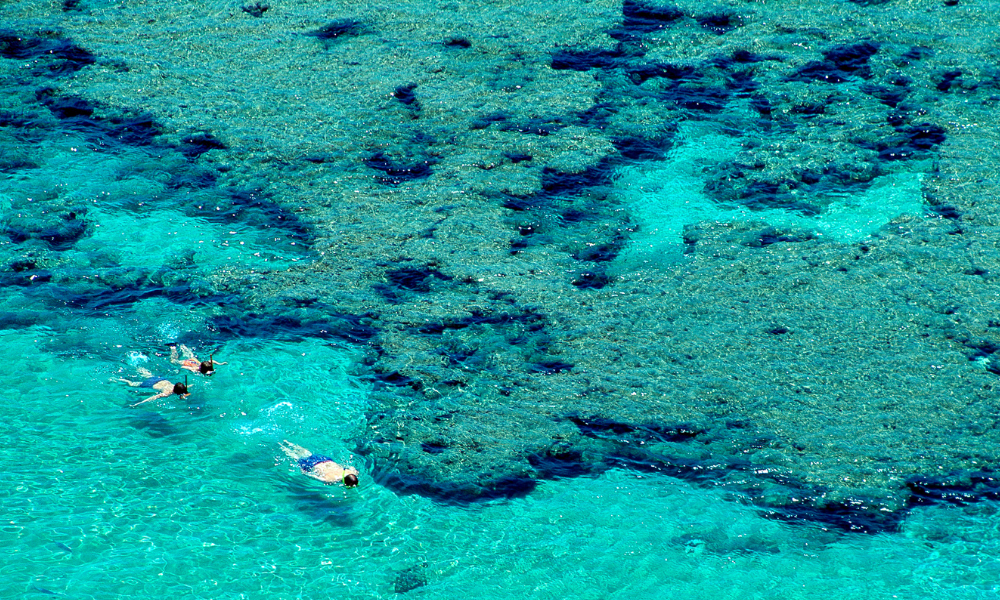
197,144
257,9
641,17
719,23
394,173
340,28
52,55
112,130
839,64
404,94
457,42
410,578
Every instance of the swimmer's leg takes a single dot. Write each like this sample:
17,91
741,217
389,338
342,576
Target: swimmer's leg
186,352
130,383
144,372
294,451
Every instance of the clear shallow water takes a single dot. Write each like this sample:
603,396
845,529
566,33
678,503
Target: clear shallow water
141,218
192,497
667,196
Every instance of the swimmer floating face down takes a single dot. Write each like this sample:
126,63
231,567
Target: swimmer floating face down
185,358
320,467
160,384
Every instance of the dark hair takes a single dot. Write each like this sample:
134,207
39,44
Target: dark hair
206,367
180,389
350,480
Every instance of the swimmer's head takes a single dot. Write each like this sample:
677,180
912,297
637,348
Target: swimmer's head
206,367
180,389
350,480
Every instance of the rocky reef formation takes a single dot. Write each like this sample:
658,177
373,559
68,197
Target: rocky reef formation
453,175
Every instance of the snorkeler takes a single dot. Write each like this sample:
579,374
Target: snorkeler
320,467
164,387
191,362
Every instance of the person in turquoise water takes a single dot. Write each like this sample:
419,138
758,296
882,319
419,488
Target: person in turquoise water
160,384
187,360
320,467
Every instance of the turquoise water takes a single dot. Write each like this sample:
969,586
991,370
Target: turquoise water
667,195
192,497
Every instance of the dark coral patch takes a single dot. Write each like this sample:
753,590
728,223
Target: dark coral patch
719,23
737,183
914,54
839,64
484,121
339,28
947,79
414,279
960,489
60,230
197,144
433,447
478,318
394,173
114,129
593,279
707,99
600,427
890,96
394,379
351,328
947,211
53,55
911,141
555,182
640,17
644,72
193,179
410,578
761,104
256,10
602,252
517,157
551,367
560,461
254,207
403,281
585,60
405,94
454,491
457,42
130,293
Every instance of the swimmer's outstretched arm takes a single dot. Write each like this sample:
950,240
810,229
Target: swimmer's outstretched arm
160,395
